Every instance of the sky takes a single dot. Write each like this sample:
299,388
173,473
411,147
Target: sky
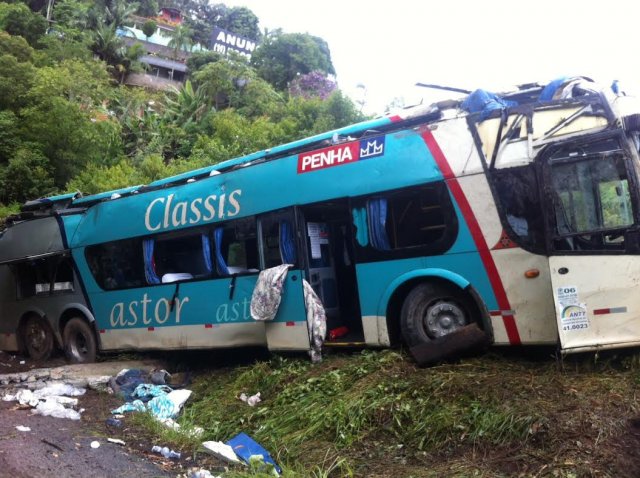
387,47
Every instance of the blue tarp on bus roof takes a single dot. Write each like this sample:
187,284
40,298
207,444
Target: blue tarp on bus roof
484,102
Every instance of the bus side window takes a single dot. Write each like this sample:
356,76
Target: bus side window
519,206
182,257
278,240
412,222
236,247
39,276
117,264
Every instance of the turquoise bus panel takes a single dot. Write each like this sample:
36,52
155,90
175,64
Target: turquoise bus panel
253,190
380,275
196,303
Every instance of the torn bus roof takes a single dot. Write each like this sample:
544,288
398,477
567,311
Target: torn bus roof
483,108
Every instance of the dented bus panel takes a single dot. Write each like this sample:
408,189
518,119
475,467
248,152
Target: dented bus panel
515,213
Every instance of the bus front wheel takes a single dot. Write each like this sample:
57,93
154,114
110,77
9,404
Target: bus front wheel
79,341
431,311
37,338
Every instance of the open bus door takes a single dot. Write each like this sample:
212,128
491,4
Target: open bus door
595,257
279,245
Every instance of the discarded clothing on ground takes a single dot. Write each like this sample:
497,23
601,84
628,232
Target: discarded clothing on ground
162,407
147,391
316,321
267,293
246,447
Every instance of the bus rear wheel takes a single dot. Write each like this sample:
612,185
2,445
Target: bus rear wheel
79,341
431,311
37,338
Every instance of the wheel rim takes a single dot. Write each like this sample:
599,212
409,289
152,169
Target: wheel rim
442,318
78,345
36,337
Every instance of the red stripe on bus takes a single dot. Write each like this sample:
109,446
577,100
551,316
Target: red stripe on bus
151,329
208,326
601,311
495,312
476,234
291,324
395,118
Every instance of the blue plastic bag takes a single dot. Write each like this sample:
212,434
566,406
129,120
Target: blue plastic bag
244,446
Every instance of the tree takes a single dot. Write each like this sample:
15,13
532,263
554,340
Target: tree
180,39
15,46
107,44
241,21
27,175
17,19
202,58
117,12
148,8
315,84
231,82
15,80
149,28
284,56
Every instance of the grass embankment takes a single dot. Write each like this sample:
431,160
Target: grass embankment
375,414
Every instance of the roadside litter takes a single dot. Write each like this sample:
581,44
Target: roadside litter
54,400
251,452
201,473
113,422
117,441
95,444
252,400
166,452
21,428
164,406
221,451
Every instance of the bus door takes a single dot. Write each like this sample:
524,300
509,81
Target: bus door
279,245
331,270
595,255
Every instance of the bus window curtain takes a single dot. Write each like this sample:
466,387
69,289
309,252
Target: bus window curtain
360,222
287,243
149,264
377,212
222,265
206,252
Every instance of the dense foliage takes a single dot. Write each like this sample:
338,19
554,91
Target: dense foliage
68,122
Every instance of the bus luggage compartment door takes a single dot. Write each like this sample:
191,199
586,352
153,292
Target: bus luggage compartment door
288,330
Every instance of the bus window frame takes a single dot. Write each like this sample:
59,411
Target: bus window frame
630,162
369,254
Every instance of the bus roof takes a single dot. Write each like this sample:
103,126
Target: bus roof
479,103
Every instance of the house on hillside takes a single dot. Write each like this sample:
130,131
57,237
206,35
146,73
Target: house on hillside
166,66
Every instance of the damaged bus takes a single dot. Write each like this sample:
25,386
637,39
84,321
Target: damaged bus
516,212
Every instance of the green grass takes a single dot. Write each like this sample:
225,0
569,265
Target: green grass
353,413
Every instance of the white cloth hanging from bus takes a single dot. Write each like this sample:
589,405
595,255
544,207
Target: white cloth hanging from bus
316,321
267,293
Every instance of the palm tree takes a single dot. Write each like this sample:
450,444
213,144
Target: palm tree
117,12
181,38
107,44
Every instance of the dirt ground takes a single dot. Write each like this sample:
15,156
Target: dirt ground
61,447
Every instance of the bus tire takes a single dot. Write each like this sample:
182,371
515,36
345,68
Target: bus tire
431,311
37,338
79,341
